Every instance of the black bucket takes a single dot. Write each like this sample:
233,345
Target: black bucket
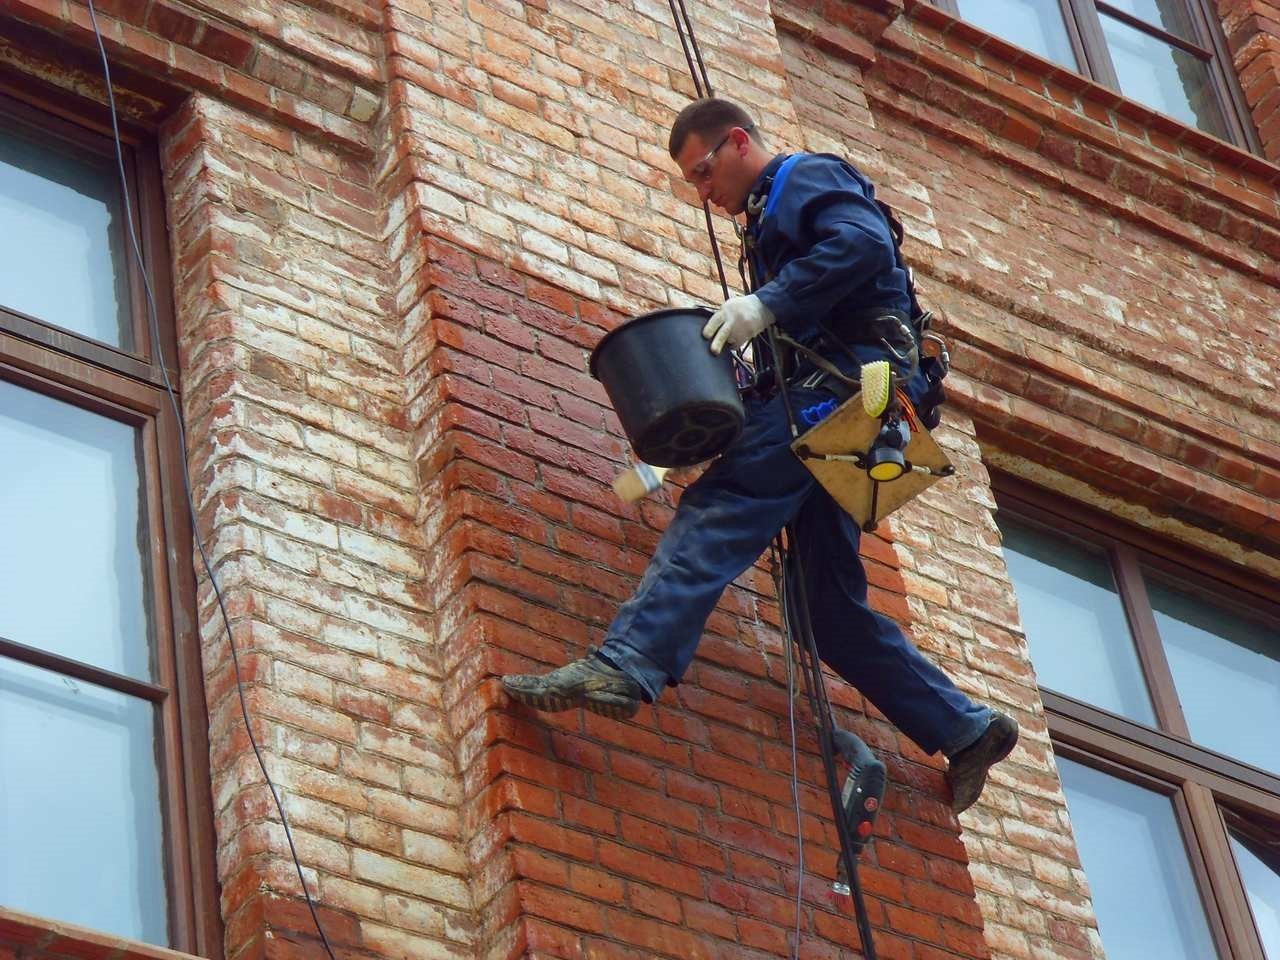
677,402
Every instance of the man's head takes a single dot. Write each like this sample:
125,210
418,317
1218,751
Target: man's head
719,151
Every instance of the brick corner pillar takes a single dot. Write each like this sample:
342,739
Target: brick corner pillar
1253,37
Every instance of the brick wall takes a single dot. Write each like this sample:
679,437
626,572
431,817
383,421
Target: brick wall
397,231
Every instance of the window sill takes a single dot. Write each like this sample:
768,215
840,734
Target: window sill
34,938
1084,107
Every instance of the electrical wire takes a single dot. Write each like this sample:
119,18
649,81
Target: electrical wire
154,326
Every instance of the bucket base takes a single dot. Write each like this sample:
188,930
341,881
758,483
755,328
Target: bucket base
677,401
689,435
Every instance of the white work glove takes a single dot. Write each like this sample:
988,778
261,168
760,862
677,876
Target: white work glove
740,319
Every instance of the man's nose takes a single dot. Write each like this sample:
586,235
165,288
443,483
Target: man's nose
704,190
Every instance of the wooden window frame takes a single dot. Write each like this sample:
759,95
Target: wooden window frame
128,386
1207,788
147,210
1084,30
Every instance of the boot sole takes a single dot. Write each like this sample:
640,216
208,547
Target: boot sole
615,708
996,752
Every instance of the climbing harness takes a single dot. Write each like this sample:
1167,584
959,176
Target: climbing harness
872,452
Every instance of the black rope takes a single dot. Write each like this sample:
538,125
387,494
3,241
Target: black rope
715,250
797,616
701,86
697,52
703,89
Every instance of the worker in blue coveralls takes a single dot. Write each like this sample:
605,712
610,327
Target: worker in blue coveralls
828,276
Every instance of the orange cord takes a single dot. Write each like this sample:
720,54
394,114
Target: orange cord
909,411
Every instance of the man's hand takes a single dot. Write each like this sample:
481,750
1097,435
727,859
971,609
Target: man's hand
740,319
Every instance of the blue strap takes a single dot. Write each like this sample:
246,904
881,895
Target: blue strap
775,193
779,181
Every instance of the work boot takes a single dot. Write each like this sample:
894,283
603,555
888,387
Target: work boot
967,770
590,682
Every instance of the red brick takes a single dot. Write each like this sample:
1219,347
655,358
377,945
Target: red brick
563,908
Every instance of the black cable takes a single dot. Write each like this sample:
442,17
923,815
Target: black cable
715,249
701,89
697,52
784,599
792,614
701,86
800,616
154,326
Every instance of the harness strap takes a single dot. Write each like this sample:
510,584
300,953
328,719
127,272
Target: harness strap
764,206
819,361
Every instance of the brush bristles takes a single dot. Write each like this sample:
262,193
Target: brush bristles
639,481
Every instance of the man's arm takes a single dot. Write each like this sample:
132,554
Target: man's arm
824,206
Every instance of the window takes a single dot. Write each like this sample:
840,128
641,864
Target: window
103,745
1160,674
1162,53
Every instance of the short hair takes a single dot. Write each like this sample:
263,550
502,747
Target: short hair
710,118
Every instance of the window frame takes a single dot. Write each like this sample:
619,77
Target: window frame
128,386
1084,31
146,207
1207,788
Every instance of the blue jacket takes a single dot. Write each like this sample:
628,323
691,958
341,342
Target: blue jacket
821,248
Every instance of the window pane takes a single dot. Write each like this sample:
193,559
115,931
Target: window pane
1163,77
72,569
62,238
1172,16
80,819
1034,25
1227,672
1076,627
1260,871
1133,854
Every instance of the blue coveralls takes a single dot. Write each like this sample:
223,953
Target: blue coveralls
828,250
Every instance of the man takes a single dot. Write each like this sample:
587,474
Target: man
828,276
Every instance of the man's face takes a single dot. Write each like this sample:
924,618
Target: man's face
717,169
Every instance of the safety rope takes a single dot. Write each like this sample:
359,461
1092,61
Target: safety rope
702,86
790,586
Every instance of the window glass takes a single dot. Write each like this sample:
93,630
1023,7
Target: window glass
1227,672
72,569
1163,77
80,804
1034,25
1076,627
1133,854
62,238
1260,872
1172,16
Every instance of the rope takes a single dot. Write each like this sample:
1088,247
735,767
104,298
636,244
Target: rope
702,86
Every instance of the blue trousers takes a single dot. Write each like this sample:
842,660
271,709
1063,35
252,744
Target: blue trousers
724,521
